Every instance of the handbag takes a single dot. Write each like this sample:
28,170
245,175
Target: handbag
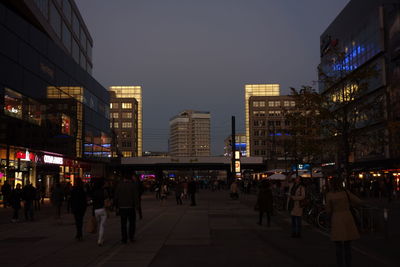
353,210
91,225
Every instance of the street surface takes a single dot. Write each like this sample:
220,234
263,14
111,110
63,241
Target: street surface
217,232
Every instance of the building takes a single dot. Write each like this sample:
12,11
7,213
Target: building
368,35
54,117
256,90
269,130
126,121
240,145
190,134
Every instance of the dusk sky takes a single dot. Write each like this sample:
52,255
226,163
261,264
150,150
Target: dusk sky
199,54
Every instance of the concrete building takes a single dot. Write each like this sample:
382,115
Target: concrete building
190,134
126,120
256,90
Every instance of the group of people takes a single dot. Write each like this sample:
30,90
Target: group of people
184,188
28,195
339,203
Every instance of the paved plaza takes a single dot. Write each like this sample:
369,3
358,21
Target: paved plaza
217,232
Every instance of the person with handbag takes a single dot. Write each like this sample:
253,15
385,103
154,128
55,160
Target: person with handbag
99,208
78,206
297,193
339,203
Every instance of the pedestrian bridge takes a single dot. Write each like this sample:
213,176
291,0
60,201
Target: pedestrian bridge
198,163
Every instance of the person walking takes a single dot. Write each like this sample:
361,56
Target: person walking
179,193
192,192
28,195
57,199
234,190
140,188
67,196
127,199
99,196
6,191
15,202
297,193
265,202
78,206
343,226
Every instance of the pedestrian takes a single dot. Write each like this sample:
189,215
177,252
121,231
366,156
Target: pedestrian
179,193
28,195
185,185
297,193
38,195
78,206
164,193
234,190
343,226
6,191
99,195
192,192
140,188
15,201
265,202
57,199
127,199
67,196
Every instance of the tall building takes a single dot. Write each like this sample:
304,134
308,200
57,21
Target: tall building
240,145
54,118
269,130
256,90
126,120
190,134
368,33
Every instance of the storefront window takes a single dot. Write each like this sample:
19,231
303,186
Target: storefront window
12,103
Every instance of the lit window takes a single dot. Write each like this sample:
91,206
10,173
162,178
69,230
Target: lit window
13,103
126,115
113,105
126,105
127,125
65,124
126,154
116,125
115,115
286,103
292,103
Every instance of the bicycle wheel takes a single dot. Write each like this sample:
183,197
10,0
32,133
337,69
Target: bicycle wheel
323,222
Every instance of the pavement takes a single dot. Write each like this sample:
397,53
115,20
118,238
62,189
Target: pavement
217,232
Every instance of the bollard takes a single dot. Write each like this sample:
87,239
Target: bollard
385,221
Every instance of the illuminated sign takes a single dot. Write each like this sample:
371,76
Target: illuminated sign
237,166
237,154
53,160
27,156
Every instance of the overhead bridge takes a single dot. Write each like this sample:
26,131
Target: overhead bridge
190,163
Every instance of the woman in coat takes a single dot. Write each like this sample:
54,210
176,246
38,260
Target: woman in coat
265,202
297,193
343,227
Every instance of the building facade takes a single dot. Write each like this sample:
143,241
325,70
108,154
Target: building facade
256,90
240,145
190,134
124,121
368,35
54,116
269,130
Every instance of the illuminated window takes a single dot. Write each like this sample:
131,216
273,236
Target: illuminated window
126,105
12,103
65,124
292,103
127,125
115,115
126,154
126,115
116,125
113,105
286,103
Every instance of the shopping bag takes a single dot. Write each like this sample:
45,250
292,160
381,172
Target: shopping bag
91,225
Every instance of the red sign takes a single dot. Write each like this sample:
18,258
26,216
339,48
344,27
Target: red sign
25,156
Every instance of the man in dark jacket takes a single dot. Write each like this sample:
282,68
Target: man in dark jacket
6,191
127,199
28,195
78,206
192,192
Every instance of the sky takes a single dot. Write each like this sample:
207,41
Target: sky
199,54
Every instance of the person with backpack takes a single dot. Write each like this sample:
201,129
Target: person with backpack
297,193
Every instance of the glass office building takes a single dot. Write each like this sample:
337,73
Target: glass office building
54,118
367,34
